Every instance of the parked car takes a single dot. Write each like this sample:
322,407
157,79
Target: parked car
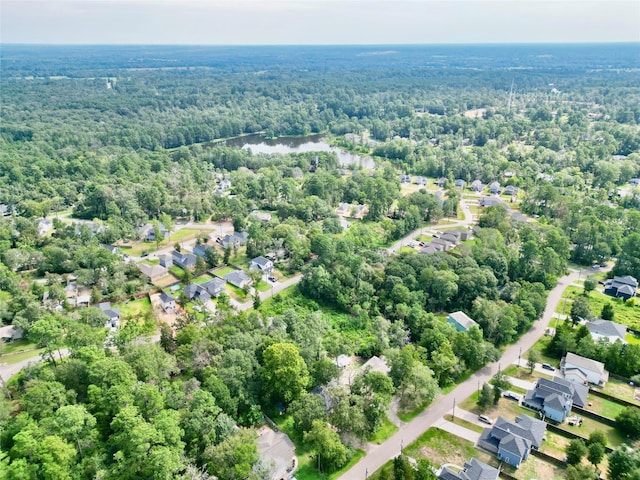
511,396
548,366
144,254
485,419
272,279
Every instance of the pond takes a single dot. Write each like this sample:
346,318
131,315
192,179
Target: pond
310,143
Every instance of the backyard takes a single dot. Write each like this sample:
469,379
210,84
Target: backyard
625,314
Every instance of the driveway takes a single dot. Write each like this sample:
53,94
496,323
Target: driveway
380,454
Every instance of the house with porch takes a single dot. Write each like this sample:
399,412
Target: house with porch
555,398
511,441
583,370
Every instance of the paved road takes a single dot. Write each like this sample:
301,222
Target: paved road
468,220
378,455
8,370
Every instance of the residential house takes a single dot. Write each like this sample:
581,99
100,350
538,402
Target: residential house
491,202
360,211
184,260
277,453
461,321
405,178
201,250
472,470
555,398
460,183
166,260
238,278
148,232
9,333
112,314
44,226
510,190
634,182
422,181
583,370
167,302
623,287
451,237
462,234
214,287
343,209
195,291
262,216
225,184
110,248
513,441
236,239
154,272
495,188
441,181
261,263
509,174
446,245
429,248
477,186
605,329
5,210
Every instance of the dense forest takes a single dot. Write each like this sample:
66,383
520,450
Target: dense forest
103,140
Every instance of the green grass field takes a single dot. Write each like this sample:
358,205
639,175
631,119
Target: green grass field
202,278
134,309
385,431
624,314
222,271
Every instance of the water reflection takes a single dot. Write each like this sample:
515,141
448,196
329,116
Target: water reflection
311,143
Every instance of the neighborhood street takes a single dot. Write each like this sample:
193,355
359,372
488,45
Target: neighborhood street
378,455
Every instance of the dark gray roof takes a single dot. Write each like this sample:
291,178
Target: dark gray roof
607,328
515,444
166,297
261,261
214,286
477,470
236,277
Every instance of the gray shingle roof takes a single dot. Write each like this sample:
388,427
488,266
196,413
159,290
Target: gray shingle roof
463,319
607,328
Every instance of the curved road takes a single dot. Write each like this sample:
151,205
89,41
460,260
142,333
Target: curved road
378,455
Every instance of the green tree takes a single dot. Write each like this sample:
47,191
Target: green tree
485,399
500,383
575,451
284,373
595,453
580,310
608,312
330,453
589,286
533,357
234,458
597,436
581,472
48,333
305,410
624,463
628,422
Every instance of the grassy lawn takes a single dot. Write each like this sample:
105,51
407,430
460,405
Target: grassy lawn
411,414
176,270
406,249
506,408
619,389
522,373
263,286
383,432
222,271
463,423
176,237
240,259
136,308
154,261
20,356
604,407
614,437
624,314
202,278
555,445
17,346
632,339
236,293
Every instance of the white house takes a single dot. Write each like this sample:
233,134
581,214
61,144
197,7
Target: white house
261,263
238,278
112,314
580,370
460,321
9,333
612,331
167,302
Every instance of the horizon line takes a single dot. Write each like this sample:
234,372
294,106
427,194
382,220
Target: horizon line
40,44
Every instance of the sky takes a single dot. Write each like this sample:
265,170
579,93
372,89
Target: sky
301,22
